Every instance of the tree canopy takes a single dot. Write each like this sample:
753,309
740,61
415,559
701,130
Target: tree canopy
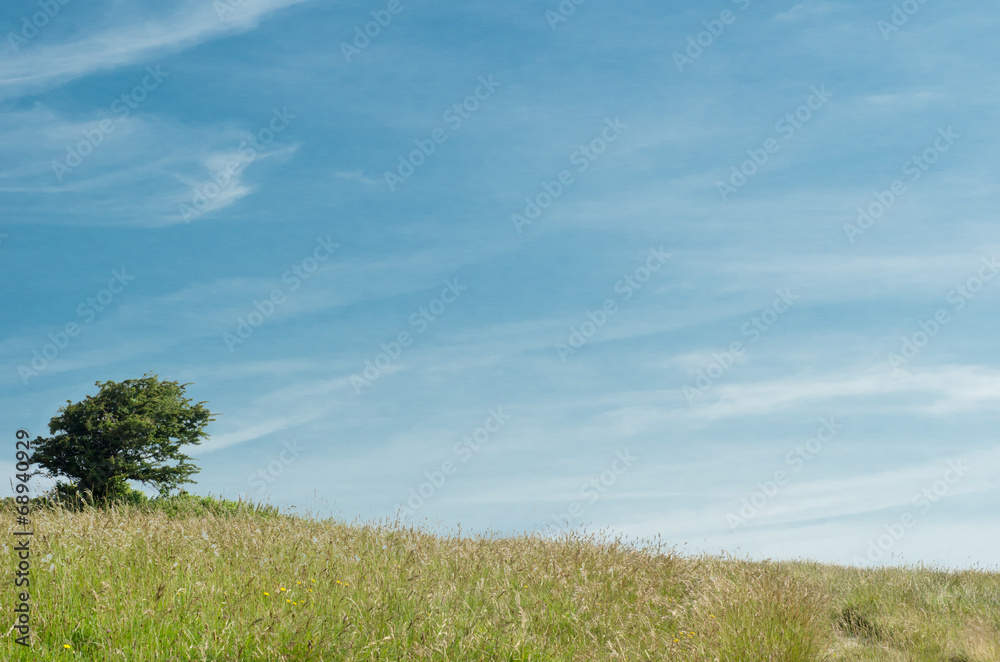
128,431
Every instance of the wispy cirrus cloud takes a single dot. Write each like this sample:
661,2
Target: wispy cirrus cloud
175,26
805,10
354,176
939,390
174,164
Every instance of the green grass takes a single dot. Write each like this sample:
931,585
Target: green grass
201,579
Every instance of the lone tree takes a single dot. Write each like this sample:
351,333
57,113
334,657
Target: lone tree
125,432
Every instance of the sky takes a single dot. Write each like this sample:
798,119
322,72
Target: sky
718,274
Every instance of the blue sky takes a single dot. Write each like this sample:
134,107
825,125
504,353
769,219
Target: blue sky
719,273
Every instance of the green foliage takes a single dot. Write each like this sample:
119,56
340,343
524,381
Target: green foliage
185,504
180,505
126,432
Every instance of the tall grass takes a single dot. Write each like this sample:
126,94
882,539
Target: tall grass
202,579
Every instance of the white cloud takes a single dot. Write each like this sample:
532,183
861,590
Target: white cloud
937,391
300,404
222,184
354,176
191,23
804,10
138,151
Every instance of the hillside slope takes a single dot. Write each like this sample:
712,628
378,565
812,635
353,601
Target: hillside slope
139,584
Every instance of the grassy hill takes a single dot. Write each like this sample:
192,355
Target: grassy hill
197,579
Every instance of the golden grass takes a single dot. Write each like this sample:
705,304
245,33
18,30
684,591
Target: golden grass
130,583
